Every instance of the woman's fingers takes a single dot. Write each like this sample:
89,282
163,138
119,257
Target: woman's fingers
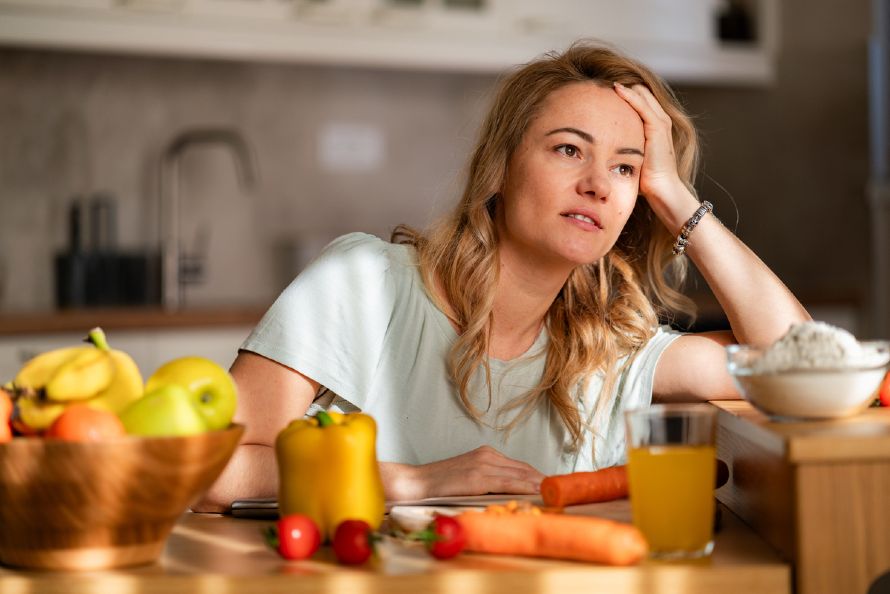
480,471
644,102
652,102
501,465
489,455
658,177
501,484
656,122
637,101
489,471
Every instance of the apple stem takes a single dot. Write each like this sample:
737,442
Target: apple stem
324,419
97,338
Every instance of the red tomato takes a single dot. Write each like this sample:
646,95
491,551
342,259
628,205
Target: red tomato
353,542
298,536
884,393
79,422
447,538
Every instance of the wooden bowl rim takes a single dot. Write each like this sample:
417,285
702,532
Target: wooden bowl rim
119,440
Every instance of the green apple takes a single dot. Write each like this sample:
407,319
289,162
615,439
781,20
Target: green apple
165,411
213,390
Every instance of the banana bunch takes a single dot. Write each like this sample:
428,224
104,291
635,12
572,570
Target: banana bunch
92,374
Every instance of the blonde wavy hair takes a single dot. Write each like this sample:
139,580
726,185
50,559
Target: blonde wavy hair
605,310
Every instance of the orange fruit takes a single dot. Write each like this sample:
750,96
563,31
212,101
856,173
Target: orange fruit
884,392
5,413
79,422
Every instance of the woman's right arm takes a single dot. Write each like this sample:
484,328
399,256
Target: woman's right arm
477,472
270,395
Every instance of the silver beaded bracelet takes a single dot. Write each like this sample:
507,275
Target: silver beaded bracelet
683,238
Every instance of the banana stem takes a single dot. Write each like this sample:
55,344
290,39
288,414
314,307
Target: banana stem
97,338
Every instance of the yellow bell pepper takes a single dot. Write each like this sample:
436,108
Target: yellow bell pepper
327,469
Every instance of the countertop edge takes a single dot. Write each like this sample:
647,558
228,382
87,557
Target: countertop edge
857,438
142,318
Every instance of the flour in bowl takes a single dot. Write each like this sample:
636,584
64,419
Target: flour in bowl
810,345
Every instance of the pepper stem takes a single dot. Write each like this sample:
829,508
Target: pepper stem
324,419
96,337
270,536
427,535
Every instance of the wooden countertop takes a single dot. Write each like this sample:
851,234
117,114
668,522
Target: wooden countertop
214,553
130,318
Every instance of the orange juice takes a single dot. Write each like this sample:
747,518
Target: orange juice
672,496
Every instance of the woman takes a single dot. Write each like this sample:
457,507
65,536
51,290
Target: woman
505,345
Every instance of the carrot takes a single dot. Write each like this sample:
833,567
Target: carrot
585,487
557,536
601,485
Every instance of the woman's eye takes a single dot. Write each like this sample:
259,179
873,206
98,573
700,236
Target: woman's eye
625,170
569,150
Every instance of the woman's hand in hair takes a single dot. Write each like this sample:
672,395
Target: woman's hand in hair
660,183
480,471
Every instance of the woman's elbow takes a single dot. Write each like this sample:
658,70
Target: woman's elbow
252,472
214,500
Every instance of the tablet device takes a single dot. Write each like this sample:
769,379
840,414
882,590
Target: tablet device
259,508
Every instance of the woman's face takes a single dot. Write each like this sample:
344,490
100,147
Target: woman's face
572,182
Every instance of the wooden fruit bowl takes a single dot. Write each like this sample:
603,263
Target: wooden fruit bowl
67,505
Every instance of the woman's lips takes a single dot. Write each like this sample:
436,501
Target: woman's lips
584,220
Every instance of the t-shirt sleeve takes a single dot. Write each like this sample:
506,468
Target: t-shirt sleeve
633,390
637,380
330,322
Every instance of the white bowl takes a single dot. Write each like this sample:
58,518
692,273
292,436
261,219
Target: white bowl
811,393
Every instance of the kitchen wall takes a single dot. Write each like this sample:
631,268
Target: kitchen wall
73,124
790,158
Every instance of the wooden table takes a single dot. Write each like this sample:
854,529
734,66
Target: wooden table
818,491
213,553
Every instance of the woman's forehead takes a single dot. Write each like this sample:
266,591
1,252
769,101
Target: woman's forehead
588,105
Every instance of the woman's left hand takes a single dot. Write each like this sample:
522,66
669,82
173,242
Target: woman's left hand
660,183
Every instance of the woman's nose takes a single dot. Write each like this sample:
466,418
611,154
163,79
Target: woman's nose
595,184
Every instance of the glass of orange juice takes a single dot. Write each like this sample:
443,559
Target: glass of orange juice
671,460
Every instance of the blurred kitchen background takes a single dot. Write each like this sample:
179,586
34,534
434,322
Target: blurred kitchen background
236,137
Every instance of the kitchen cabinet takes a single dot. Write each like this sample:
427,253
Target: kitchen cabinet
676,37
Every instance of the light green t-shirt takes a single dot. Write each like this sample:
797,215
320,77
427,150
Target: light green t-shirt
359,322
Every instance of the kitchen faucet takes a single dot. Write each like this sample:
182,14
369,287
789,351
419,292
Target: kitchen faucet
181,268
